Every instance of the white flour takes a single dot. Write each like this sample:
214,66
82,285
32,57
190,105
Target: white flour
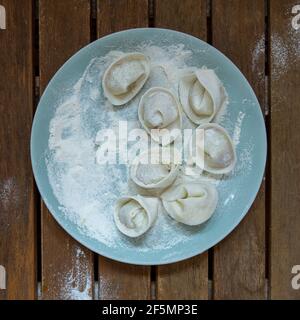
77,282
258,58
285,52
8,192
238,128
87,191
279,55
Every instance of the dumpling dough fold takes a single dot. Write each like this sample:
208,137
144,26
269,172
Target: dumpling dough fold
219,156
190,203
149,171
160,115
201,95
125,77
134,215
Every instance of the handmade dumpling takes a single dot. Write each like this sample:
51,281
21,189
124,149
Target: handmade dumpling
159,114
125,77
134,215
191,203
201,95
216,150
148,171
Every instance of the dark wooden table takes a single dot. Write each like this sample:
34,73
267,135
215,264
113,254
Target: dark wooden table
256,261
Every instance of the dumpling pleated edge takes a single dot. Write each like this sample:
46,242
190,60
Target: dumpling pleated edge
118,101
212,84
176,125
190,203
161,185
150,204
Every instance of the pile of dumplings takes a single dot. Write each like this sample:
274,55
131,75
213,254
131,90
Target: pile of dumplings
201,96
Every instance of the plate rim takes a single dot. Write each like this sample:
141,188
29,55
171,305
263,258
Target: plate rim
194,252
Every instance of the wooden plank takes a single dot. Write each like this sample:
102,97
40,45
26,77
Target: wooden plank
64,28
186,16
187,279
119,280
117,15
17,214
123,281
239,260
285,154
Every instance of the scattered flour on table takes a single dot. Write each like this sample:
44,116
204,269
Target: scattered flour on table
258,56
285,51
6,188
87,191
77,282
9,192
279,55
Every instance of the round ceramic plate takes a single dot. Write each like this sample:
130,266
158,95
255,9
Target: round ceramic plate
237,192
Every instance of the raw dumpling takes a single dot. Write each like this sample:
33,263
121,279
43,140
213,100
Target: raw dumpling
159,114
154,174
125,77
201,95
191,203
219,154
134,215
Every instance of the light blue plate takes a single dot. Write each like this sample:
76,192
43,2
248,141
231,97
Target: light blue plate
237,193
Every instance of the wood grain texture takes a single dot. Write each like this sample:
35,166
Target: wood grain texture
123,281
119,280
186,16
67,267
187,279
117,15
239,260
17,214
285,153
